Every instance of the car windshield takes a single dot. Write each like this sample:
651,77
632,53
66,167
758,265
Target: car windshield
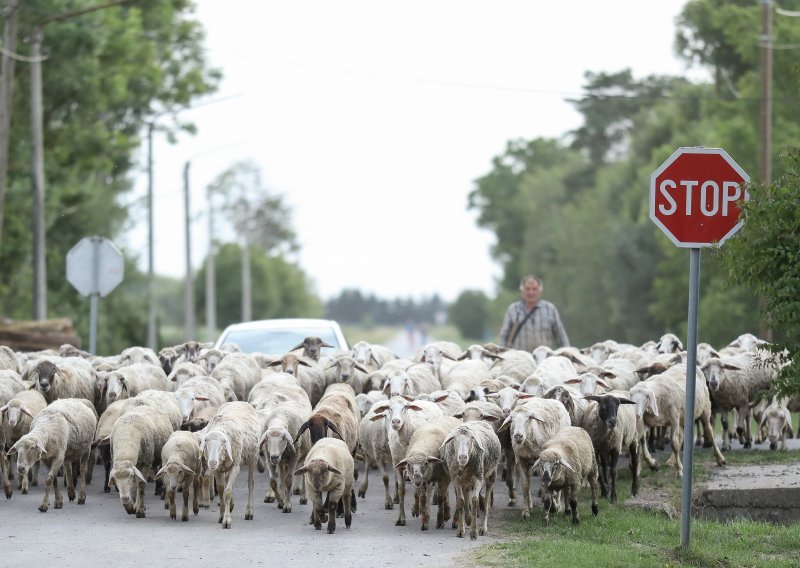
278,341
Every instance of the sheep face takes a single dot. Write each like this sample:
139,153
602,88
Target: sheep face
277,441
714,371
463,444
186,402
217,448
507,399
397,384
46,373
346,367
318,474
607,407
552,471
126,477
777,419
534,386
28,452
396,411
210,359
420,473
362,352
645,400
167,358
116,388
541,353
173,474
599,352
14,412
518,423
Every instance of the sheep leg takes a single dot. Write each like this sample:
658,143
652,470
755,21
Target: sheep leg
273,483
613,474
362,489
651,462
218,482
105,456
251,469
443,511
83,465
4,469
726,433
460,512
603,475
196,487
290,466
424,507
188,481
69,480
302,488
316,509
509,478
401,485
743,427
526,489
227,496
593,486
489,490
170,502
388,502
707,425
633,450
332,504
474,493
140,508
348,504
573,502
416,506
52,474
676,442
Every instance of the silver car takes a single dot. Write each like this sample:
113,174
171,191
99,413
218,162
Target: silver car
275,336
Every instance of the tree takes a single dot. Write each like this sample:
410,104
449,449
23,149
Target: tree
765,255
258,218
469,313
106,74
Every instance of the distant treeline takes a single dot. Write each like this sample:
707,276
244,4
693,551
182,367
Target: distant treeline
355,307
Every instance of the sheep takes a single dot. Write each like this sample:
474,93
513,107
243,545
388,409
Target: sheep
507,398
210,358
237,374
182,372
531,425
230,440
310,376
196,393
514,364
8,359
471,453
440,354
449,401
275,389
612,428
490,412
661,403
735,381
553,371
465,375
181,464
329,467
137,354
572,399
565,461
747,342
669,343
312,347
581,361
129,381
345,369
61,434
167,358
199,419
404,417
602,350
67,378
373,437
16,416
415,380
103,430
619,374
11,383
283,455
778,421
425,468
479,353
364,401
491,386
371,355
541,353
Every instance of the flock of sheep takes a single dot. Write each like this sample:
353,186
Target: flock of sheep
190,417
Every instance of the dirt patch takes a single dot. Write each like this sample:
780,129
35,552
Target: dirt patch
664,500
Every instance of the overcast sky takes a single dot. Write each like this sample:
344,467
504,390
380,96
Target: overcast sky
373,119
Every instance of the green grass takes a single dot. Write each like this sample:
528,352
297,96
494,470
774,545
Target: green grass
624,536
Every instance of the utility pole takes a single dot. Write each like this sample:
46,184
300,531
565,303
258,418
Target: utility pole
37,142
247,283
765,130
7,64
211,284
151,285
191,328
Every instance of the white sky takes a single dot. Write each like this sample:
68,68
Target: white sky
373,119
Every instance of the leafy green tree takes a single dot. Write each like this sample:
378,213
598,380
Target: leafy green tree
107,74
469,314
765,255
280,288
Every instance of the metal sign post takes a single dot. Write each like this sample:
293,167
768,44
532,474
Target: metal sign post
94,267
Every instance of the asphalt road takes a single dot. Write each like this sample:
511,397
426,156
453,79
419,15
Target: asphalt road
101,534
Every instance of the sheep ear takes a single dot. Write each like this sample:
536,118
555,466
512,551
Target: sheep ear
298,346
386,386
446,356
160,473
447,441
731,367
288,438
489,417
401,464
565,464
493,395
434,459
200,397
104,441
2,410
593,397
301,471
623,400
413,407
361,368
201,439
187,470
262,438
572,382
535,465
334,470
442,398
506,423
12,450
275,363
603,384
112,478
377,417
408,397
463,356
532,417
138,474
651,402
335,430
124,384
459,415
525,395
303,363
228,447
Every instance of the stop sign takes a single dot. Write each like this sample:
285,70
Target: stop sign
694,194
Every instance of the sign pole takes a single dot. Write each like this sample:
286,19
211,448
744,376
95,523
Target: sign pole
93,297
688,415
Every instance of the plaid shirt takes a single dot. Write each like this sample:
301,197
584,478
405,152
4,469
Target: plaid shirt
544,327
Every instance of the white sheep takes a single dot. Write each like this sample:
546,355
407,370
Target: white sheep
371,355
415,380
449,401
373,438
424,466
17,415
197,393
532,424
553,371
365,401
237,374
565,461
230,441
346,369
138,354
515,364
661,403
778,422
471,453
210,358
8,359
181,464
61,434
129,381
182,372
329,468
464,376
310,375
669,343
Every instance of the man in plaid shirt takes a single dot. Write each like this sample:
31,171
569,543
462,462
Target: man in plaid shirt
542,327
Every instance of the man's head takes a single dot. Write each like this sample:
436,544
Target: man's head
531,287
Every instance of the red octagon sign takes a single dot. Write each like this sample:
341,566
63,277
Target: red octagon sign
694,194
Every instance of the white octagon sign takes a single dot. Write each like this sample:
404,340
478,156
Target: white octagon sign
95,266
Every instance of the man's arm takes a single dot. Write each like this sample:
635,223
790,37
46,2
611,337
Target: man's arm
505,328
560,332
